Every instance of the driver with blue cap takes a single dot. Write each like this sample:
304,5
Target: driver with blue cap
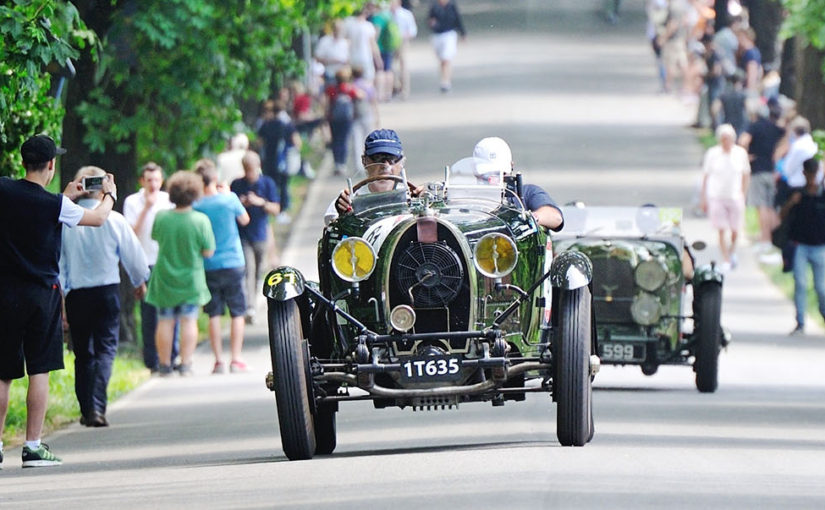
383,155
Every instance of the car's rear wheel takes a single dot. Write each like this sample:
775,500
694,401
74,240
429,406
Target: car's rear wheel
708,312
325,436
290,368
574,426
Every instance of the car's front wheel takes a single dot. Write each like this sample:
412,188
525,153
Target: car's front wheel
290,368
574,416
708,312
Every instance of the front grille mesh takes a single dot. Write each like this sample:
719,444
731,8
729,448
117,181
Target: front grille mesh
612,289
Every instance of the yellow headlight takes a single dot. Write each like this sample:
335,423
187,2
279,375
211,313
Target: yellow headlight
353,259
495,255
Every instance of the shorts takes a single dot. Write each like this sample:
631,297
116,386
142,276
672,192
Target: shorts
726,213
446,44
762,190
227,288
387,59
186,311
32,332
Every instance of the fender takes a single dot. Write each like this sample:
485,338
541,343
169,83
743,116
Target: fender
284,283
571,270
706,273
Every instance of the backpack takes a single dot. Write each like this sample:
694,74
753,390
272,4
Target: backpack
342,108
390,37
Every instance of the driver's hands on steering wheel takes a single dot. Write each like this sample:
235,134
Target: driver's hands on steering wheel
344,203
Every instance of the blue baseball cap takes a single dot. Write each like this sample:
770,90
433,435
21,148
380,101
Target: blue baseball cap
383,141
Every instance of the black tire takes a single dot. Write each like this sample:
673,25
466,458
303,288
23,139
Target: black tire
289,366
708,315
325,437
573,388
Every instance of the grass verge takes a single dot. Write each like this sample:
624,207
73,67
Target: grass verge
128,372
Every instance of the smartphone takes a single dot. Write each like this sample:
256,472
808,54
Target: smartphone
93,183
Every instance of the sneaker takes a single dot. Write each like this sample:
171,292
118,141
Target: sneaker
799,330
238,367
164,370
283,219
41,457
771,258
734,261
185,370
219,368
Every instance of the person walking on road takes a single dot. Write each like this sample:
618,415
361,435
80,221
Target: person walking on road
805,210
726,174
140,210
90,279
30,297
177,286
258,194
225,267
446,24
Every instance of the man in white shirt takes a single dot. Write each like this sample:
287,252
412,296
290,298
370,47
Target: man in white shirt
90,279
363,44
140,209
332,51
802,148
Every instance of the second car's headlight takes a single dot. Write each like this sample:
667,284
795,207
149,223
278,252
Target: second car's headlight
650,274
495,255
353,259
646,309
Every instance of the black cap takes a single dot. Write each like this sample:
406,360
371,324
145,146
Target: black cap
383,141
40,149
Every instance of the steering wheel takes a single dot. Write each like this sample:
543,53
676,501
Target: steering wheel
387,177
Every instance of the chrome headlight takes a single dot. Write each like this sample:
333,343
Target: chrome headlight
650,274
353,259
402,318
646,309
495,255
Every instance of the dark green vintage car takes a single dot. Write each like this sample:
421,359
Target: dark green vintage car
643,280
429,302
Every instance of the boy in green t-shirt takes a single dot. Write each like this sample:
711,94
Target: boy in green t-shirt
177,286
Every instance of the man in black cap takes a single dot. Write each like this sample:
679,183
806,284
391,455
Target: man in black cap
383,155
30,296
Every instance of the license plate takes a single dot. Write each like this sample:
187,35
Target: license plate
622,352
430,368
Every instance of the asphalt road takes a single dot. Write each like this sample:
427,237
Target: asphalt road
576,98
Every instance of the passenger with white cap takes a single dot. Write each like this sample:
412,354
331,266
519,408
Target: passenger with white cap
497,153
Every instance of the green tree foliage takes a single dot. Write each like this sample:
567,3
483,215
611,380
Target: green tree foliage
806,18
38,36
185,67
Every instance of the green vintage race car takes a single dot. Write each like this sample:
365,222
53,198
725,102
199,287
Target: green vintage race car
652,307
429,302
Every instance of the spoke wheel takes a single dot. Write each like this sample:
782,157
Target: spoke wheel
574,397
290,368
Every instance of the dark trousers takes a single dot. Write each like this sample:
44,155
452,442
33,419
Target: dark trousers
94,322
340,138
148,326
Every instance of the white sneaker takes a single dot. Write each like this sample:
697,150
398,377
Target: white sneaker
734,261
771,259
724,267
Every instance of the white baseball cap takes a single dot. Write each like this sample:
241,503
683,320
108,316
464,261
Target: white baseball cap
497,152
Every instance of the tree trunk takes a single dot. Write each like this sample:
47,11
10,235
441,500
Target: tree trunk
787,68
810,85
722,18
766,18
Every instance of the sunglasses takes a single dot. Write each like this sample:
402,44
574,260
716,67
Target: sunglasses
385,158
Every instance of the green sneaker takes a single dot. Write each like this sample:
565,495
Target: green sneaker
41,457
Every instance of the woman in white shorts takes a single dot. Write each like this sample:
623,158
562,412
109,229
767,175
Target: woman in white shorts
726,173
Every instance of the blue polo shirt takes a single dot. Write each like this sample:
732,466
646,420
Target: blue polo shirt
265,188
